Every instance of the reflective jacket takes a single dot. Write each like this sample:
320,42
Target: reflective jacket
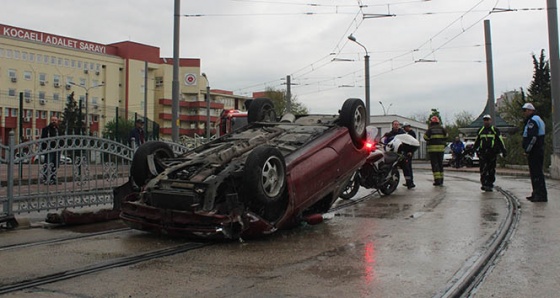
435,137
533,134
489,141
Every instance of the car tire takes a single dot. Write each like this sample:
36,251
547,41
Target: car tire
265,174
140,170
353,116
351,188
261,110
390,186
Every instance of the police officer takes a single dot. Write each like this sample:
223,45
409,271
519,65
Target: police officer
533,145
395,130
407,167
435,137
488,144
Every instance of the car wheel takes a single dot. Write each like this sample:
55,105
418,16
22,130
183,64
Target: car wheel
261,110
390,186
265,174
353,116
351,188
140,170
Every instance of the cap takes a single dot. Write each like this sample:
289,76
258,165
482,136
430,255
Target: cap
528,106
486,117
405,124
139,120
434,119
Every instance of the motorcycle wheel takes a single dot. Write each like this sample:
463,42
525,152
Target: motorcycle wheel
390,186
351,188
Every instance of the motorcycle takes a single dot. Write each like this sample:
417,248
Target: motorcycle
380,171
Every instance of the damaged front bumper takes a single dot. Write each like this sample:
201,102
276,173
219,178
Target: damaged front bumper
198,224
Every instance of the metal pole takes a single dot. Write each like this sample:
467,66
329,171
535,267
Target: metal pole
368,114
87,114
208,111
288,94
491,101
146,96
552,12
175,85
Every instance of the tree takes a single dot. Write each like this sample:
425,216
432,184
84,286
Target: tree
278,97
539,91
462,119
71,123
118,129
434,112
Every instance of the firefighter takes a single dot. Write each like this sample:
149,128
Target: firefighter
435,137
533,147
488,145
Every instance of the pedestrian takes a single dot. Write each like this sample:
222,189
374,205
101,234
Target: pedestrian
407,167
457,147
395,130
435,137
488,145
51,158
137,133
533,147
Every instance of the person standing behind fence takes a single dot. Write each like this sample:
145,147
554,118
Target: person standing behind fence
533,147
435,137
488,144
51,159
137,133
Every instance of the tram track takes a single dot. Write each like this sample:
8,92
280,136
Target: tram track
114,263
479,265
59,240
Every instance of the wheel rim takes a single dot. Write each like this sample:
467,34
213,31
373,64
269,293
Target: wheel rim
359,119
272,176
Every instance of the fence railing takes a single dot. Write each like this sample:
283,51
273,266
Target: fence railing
63,172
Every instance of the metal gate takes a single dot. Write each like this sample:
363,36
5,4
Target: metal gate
62,172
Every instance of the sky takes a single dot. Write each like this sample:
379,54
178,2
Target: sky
424,54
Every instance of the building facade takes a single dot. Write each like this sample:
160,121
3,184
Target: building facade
38,71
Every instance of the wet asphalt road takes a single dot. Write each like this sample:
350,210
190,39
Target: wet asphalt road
408,244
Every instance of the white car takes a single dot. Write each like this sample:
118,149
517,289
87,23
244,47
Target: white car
41,158
469,160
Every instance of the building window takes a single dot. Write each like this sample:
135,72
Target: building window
42,78
12,73
9,53
73,63
14,112
24,56
39,58
82,82
95,83
12,92
79,64
56,79
53,60
59,61
28,133
1,52
32,57
159,81
27,95
69,80
66,62
46,59
43,114
16,54
41,95
56,96
27,75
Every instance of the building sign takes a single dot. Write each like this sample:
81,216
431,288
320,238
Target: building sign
190,79
55,40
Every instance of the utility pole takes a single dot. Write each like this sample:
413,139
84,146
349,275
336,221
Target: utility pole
491,100
175,85
552,11
289,94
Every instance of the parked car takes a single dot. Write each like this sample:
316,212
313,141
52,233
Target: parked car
470,158
41,159
265,176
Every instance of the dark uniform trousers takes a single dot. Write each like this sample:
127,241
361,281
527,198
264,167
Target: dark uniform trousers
436,160
536,161
487,168
407,170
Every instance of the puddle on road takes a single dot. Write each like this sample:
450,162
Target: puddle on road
378,210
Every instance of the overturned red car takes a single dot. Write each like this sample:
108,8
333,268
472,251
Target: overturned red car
268,175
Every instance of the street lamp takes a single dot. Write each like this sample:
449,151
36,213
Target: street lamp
385,111
87,94
207,107
352,38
